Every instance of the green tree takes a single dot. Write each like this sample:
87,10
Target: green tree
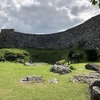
92,55
95,2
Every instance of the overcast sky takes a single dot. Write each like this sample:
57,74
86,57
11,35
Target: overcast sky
44,16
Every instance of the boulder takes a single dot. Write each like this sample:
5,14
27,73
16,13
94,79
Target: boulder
95,90
95,93
81,78
32,79
60,69
92,77
54,81
96,83
94,67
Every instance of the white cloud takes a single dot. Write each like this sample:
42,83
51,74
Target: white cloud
50,4
44,16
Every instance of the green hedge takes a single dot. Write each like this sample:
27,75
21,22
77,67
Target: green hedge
49,56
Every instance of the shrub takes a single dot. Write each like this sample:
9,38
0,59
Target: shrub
61,62
92,55
72,68
14,55
2,58
75,56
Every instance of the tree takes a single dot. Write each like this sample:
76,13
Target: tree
92,55
95,2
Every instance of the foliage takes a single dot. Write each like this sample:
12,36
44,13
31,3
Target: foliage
35,55
92,55
13,55
95,2
75,55
61,62
49,56
72,68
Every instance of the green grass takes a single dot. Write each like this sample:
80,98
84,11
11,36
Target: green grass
12,89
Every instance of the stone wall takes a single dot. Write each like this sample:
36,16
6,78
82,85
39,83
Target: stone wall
84,36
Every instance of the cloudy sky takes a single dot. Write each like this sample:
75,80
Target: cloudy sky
44,16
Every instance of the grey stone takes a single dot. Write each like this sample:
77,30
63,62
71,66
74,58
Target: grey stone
96,83
54,81
60,69
95,90
92,77
32,79
95,93
94,67
28,64
94,74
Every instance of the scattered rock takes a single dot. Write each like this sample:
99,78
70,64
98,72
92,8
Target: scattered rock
95,94
94,74
32,79
95,90
86,78
60,69
28,64
93,67
93,79
96,83
54,80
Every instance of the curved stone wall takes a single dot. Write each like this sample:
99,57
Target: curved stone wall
84,36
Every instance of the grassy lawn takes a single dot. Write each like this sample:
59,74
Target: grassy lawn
12,89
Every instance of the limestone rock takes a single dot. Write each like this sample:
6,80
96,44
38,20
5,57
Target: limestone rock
32,79
92,77
95,90
95,94
28,64
54,80
96,83
93,67
60,69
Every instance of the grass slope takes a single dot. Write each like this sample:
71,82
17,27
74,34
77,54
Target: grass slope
12,89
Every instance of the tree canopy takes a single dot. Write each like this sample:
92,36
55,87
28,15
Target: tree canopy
95,2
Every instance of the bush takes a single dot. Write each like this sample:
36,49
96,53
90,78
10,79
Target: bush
92,55
2,58
61,62
75,56
14,55
72,68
